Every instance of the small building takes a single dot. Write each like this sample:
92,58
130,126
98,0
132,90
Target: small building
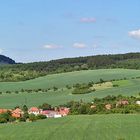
34,110
93,106
64,111
51,114
17,113
108,106
3,111
138,102
122,103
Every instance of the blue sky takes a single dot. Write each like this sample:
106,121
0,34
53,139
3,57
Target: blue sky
41,30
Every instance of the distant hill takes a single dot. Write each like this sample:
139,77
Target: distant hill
6,60
20,72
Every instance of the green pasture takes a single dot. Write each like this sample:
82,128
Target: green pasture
70,78
94,127
63,95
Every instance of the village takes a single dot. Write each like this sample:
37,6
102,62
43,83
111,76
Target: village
108,104
31,114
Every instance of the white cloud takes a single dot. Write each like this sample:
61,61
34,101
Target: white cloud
51,46
79,45
1,50
135,34
87,20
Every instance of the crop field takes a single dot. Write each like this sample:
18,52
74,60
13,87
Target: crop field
70,78
82,127
63,95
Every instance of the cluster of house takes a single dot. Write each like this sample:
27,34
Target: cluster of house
17,113
119,103
61,112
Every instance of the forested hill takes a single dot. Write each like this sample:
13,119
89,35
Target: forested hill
6,60
27,71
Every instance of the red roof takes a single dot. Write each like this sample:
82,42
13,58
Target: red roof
17,113
33,109
45,112
3,110
64,111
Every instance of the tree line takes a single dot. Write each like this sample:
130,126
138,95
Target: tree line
21,72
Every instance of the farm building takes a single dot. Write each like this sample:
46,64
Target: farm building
34,110
64,111
122,102
93,106
3,111
108,106
51,114
138,102
17,113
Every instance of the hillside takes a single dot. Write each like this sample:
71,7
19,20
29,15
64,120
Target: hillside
21,72
6,60
14,93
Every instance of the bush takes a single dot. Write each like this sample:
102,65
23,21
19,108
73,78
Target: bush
82,89
32,117
3,120
40,116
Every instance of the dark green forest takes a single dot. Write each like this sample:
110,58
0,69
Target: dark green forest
17,72
6,60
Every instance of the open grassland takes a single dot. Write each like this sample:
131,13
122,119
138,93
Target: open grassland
94,127
63,95
70,78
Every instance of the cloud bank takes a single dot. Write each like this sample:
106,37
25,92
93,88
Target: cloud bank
134,34
51,46
79,45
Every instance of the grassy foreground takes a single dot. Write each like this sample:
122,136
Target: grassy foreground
95,127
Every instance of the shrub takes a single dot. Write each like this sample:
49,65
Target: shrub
3,120
40,116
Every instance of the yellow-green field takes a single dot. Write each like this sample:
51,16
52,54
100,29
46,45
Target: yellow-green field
126,87
94,127
70,78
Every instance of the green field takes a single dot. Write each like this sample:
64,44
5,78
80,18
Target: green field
82,127
126,87
94,127
70,78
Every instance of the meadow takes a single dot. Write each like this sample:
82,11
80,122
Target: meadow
70,78
80,127
126,87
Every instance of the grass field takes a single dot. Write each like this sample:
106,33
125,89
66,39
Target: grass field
82,127
126,87
70,78
94,127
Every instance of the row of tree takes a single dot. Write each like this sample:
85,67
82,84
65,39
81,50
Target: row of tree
18,72
106,105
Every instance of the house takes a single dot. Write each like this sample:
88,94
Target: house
3,111
93,106
122,103
64,111
51,114
17,113
138,102
34,110
108,106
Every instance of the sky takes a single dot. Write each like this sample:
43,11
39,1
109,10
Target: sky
42,30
